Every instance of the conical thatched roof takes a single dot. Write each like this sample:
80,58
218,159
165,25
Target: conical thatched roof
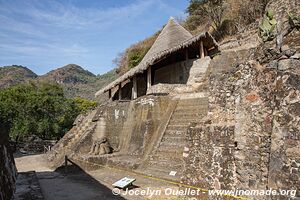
172,35
172,38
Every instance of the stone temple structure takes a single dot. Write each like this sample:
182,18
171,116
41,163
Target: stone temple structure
172,59
228,117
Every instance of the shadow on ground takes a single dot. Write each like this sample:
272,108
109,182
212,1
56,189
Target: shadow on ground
73,183
36,180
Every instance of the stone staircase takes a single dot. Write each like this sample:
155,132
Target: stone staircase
167,156
67,145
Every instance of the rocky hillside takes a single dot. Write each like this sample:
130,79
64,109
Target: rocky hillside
69,74
75,80
12,75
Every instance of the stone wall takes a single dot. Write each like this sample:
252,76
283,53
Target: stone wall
282,9
114,116
251,136
8,170
209,162
129,125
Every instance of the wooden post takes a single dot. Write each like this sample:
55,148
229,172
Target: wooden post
149,78
186,54
205,52
134,88
66,163
120,91
201,49
109,93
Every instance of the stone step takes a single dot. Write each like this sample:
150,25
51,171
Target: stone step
163,173
188,102
180,123
173,138
165,164
165,169
83,127
168,150
128,162
188,116
177,127
171,132
170,159
172,144
184,121
191,109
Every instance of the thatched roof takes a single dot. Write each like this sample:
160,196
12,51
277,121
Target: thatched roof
172,35
172,38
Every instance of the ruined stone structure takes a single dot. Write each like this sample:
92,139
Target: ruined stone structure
101,147
233,121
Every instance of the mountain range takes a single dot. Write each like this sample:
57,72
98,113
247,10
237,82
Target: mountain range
76,81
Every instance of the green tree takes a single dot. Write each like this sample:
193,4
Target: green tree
84,105
40,109
203,10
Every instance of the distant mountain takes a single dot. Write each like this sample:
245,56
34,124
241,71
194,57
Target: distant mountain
15,74
70,74
75,80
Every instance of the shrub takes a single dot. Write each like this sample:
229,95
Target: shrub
294,21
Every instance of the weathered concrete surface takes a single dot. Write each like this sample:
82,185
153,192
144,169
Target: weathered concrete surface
94,184
198,71
56,184
130,127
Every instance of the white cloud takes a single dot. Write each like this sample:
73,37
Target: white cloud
60,14
42,30
43,18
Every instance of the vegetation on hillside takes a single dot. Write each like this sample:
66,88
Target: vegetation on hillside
220,17
134,54
15,74
39,109
75,81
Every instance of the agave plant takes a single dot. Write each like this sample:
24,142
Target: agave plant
268,26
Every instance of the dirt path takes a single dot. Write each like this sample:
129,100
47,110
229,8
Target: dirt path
58,185
97,184
27,163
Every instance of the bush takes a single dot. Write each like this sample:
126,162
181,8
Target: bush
136,55
133,55
84,105
294,21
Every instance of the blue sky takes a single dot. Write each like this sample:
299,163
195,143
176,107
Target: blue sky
47,34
